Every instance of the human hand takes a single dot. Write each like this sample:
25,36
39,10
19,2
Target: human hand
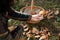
36,18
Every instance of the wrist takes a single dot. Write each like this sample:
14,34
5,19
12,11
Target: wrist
29,18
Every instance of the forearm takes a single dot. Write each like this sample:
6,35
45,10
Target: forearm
17,15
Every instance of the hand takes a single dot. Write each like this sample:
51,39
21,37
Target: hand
36,18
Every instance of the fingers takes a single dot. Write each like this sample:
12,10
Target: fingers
36,18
